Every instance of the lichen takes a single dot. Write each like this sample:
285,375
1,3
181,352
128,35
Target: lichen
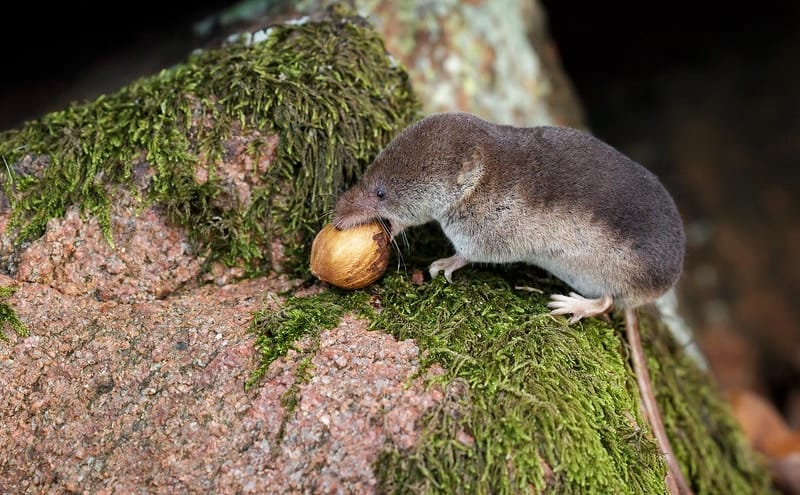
532,405
8,317
327,88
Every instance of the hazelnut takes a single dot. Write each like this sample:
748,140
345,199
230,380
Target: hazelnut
351,258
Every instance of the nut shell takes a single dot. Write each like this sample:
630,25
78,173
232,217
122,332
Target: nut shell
351,258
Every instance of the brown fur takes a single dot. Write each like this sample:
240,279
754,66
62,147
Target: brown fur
555,197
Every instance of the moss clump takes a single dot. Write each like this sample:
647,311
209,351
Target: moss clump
277,331
706,438
327,88
532,405
538,394
8,316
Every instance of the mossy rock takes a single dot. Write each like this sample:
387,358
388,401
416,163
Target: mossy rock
326,87
532,405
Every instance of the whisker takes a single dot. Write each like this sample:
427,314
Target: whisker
401,262
387,229
382,223
328,213
325,216
327,198
405,241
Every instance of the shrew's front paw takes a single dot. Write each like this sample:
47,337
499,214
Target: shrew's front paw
448,266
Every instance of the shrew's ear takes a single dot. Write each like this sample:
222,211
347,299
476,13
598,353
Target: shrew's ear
471,170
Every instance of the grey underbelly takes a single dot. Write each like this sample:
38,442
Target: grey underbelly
592,261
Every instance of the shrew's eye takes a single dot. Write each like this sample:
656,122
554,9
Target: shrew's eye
380,193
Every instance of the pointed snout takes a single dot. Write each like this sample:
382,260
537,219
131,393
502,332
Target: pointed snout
354,207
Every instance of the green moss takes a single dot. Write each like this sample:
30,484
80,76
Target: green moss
538,393
278,331
327,88
526,394
706,438
8,317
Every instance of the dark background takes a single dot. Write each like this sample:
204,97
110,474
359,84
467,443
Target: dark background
54,54
704,95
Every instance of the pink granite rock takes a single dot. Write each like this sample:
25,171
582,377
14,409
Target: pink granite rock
111,397
151,256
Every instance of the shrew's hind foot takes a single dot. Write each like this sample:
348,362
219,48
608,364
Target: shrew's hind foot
579,306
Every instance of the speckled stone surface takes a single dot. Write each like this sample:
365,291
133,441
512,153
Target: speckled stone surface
148,397
151,257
